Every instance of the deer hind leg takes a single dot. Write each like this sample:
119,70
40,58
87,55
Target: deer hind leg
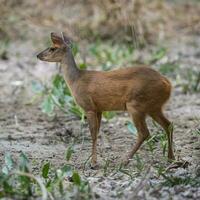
159,117
99,116
143,132
93,121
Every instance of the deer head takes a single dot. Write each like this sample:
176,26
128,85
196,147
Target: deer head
57,51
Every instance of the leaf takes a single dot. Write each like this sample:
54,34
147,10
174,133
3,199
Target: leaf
45,170
82,66
68,99
108,115
168,68
59,86
75,49
76,178
9,161
164,147
23,163
67,170
48,105
160,53
131,128
5,170
69,153
57,80
7,188
197,132
77,111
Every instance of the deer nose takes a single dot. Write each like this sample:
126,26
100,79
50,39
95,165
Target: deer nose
39,56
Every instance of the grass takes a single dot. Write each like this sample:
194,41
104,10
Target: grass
189,81
3,49
171,180
17,181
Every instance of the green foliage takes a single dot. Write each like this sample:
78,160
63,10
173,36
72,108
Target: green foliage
48,105
3,49
69,152
168,69
75,49
105,167
45,170
109,115
57,96
111,55
197,132
158,54
171,181
189,80
158,137
132,129
13,183
139,163
76,178
18,182
23,163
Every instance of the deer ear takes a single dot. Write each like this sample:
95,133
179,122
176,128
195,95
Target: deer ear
67,41
57,40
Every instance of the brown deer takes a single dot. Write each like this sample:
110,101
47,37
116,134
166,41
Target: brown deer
141,91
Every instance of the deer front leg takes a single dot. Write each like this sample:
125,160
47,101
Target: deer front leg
94,128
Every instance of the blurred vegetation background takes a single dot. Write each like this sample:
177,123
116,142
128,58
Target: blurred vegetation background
137,21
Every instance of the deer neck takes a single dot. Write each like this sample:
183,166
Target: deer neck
69,67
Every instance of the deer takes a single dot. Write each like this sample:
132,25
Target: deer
139,90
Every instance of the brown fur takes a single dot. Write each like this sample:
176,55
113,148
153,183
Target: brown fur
141,91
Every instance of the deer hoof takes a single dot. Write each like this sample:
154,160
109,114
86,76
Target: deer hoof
171,159
125,161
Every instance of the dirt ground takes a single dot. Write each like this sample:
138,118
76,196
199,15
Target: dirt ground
24,127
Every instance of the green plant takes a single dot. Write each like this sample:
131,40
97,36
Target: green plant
168,69
189,80
158,54
18,182
139,163
105,167
58,95
158,137
111,55
171,181
109,115
197,131
69,152
3,49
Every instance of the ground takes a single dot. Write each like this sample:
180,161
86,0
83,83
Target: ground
23,127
